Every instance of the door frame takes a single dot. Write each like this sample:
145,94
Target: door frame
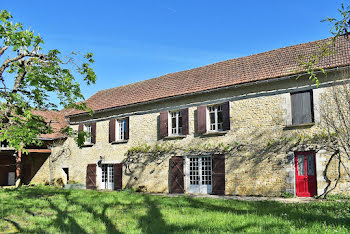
305,153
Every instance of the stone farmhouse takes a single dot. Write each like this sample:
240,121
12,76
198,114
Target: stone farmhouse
233,127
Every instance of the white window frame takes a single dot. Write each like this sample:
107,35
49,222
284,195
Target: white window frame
218,127
177,129
88,130
120,129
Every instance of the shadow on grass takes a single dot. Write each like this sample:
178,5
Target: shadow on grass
156,218
295,214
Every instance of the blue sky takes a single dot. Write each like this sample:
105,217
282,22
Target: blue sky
138,40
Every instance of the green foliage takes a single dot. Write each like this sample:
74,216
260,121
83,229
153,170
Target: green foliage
287,195
340,26
30,78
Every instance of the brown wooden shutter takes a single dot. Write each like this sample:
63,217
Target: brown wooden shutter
177,175
111,130
201,119
226,116
163,120
91,176
302,107
81,128
185,129
118,176
93,133
127,128
218,174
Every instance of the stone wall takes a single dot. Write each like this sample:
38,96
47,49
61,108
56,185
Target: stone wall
259,162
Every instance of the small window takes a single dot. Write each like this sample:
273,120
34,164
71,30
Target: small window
215,120
3,144
88,130
175,125
120,129
302,107
66,170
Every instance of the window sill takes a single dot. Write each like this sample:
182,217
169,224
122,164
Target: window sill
216,133
119,142
297,126
87,145
173,137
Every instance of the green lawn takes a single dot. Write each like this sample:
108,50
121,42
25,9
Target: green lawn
53,210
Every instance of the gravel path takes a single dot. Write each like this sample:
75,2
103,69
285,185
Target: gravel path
244,198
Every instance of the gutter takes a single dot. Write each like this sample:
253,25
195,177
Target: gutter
267,80
51,139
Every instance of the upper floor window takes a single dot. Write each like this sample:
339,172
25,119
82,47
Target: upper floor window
215,115
88,130
302,107
121,129
175,123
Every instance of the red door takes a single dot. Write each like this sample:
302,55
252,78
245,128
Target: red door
305,174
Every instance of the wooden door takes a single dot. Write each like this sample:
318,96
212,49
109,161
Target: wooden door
177,175
219,174
305,174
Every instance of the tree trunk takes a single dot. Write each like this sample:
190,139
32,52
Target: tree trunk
19,169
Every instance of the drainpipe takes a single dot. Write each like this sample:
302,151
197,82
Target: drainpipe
51,166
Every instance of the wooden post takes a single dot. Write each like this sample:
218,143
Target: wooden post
18,168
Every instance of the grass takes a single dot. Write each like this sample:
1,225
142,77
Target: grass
52,210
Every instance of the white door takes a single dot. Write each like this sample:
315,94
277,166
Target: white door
11,178
199,174
107,177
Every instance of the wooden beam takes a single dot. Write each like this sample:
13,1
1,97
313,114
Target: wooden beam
39,150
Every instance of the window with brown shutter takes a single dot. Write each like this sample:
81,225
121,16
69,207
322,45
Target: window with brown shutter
119,130
302,107
201,119
163,124
127,124
93,133
226,116
111,130
185,123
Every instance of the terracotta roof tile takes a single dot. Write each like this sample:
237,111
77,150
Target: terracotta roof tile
56,120
267,65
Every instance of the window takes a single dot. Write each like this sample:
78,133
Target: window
175,123
121,130
302,107
88,130
3,144
66,170
215,120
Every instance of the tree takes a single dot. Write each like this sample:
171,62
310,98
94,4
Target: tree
336,123
336,105
30,76
339,27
